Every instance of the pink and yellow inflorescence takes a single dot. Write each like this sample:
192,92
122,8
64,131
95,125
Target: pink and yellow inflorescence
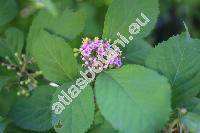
99,54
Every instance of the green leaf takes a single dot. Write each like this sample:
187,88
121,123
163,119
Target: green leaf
108,2
179,60
11,128
2,127
122,13
137,51
191,104
4,80
134,99
101,125
66,24
6,77
8,10
3,124
100,3
197,108
15,39
191,3
34,113
8,97
54,57
78,115
13,42
92,26
1,118
49,5
4,49
192,122
62,4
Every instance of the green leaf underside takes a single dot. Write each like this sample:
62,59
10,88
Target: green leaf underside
134,99
179,60
80,112
137,51
66,24
122,13
54,57
34,113
8,10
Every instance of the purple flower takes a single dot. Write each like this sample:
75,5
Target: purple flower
99,54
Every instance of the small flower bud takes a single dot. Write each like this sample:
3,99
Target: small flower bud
7,58
183,111
19,74
3,64
23,92
76,50
9,67
16,54
21,82
27,94
76,54
18,93
23,56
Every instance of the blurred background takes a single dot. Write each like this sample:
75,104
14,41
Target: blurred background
170,21
20,14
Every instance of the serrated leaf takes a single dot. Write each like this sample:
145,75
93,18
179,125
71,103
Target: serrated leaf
34,112
8,10
12,43
179,60
192,122
54,57
66,24
122,13
134,99
137,51
78,116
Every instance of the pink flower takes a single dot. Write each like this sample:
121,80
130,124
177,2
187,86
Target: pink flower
96,50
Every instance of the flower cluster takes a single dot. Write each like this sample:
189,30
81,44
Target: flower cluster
99,54
27,78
